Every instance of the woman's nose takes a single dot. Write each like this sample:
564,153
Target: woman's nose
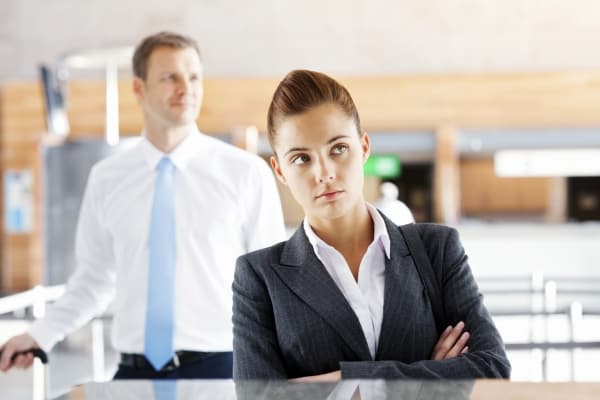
326,172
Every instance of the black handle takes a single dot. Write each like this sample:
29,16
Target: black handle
39,353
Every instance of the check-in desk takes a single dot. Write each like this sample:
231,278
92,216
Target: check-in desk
350,390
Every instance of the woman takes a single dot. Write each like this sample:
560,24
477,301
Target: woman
343,298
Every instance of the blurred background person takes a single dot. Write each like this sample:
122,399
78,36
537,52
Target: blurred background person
393,207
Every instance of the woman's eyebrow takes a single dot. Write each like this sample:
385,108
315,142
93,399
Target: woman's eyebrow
306,148
296,149
337,138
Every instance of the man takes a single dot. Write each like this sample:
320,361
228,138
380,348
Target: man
159,231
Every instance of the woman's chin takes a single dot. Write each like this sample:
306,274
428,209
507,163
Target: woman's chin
332,212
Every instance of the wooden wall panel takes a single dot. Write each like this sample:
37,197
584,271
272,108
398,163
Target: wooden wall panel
233,102
385,103
21,130
446,187
3,271
478,100
482,192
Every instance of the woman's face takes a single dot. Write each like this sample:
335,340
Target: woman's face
320,157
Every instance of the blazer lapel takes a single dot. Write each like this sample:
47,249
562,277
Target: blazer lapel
305,275
397,306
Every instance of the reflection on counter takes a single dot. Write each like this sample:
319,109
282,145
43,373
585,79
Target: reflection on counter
247,390
350,390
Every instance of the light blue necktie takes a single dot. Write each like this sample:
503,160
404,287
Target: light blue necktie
158,344
165,389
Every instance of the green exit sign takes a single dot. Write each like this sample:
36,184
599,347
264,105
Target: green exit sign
383,166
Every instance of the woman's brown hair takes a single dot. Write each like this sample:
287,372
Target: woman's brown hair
302,90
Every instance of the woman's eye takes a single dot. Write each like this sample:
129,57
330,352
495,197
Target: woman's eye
301,159
339,149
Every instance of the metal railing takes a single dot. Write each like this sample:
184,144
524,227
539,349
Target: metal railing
548,289
37,299
535,285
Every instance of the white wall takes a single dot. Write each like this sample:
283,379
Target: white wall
252,38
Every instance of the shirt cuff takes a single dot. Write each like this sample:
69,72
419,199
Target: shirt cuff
43,335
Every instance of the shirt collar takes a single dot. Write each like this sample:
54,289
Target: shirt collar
379,230
380,233
180,156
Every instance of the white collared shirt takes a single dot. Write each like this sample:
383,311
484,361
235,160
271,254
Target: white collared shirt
226,204
365,296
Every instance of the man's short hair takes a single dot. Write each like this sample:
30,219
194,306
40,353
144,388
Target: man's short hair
161,39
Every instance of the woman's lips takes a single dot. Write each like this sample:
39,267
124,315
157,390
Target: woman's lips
330,195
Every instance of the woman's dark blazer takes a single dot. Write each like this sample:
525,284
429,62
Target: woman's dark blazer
291,320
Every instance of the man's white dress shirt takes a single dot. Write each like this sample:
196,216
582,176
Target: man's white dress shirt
365,296
226,204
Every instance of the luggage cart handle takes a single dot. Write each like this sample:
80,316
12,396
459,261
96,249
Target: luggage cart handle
39,353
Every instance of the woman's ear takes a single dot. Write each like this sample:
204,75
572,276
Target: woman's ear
277,169
365,143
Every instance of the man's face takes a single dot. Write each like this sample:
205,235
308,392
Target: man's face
171,94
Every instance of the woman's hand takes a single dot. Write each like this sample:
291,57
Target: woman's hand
329,377
452,343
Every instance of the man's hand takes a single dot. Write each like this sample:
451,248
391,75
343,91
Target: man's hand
329,377
452,343
16,344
